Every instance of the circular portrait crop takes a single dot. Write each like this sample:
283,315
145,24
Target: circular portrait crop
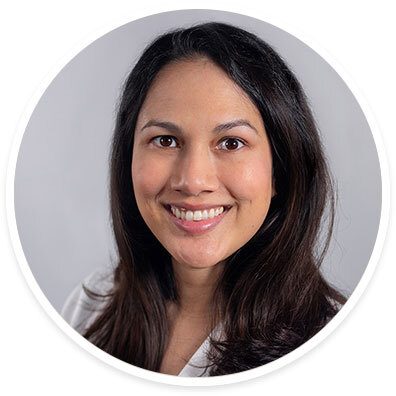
197,194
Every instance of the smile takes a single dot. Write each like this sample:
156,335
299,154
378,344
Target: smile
196,215
197,221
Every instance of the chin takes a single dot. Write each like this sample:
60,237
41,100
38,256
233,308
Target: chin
197,261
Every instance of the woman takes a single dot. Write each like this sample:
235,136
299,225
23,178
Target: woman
218,187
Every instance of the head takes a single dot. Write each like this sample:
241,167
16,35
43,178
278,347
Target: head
201,163
188,88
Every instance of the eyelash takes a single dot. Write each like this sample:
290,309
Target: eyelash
241,143
156,141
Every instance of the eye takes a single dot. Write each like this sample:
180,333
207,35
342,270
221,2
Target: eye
231,144
165,141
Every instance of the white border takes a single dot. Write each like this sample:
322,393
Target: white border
233,378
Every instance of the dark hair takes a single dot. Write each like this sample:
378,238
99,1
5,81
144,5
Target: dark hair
271,296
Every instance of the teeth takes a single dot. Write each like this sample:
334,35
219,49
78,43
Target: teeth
219,211
196,215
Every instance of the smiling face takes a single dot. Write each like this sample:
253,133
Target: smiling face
202,164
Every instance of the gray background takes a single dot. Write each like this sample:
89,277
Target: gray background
61,180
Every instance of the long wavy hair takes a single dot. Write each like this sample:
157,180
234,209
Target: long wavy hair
271,296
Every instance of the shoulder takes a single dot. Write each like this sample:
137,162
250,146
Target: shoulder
80,309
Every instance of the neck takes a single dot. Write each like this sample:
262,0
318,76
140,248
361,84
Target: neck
195,288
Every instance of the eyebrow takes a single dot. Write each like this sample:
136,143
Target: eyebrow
171,127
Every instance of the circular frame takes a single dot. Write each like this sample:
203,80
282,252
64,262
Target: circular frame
207,381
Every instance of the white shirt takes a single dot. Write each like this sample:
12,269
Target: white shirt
80,311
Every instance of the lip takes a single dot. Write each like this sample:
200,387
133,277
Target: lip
183,205
197,227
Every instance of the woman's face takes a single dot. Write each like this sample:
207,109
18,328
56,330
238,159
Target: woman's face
202,163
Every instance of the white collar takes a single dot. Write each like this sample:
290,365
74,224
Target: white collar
196,366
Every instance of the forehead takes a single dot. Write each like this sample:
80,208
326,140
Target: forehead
197,88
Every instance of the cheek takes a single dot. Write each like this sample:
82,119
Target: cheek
250,182
149,177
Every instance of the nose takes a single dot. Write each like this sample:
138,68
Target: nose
194,173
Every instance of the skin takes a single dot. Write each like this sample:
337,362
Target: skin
202,165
